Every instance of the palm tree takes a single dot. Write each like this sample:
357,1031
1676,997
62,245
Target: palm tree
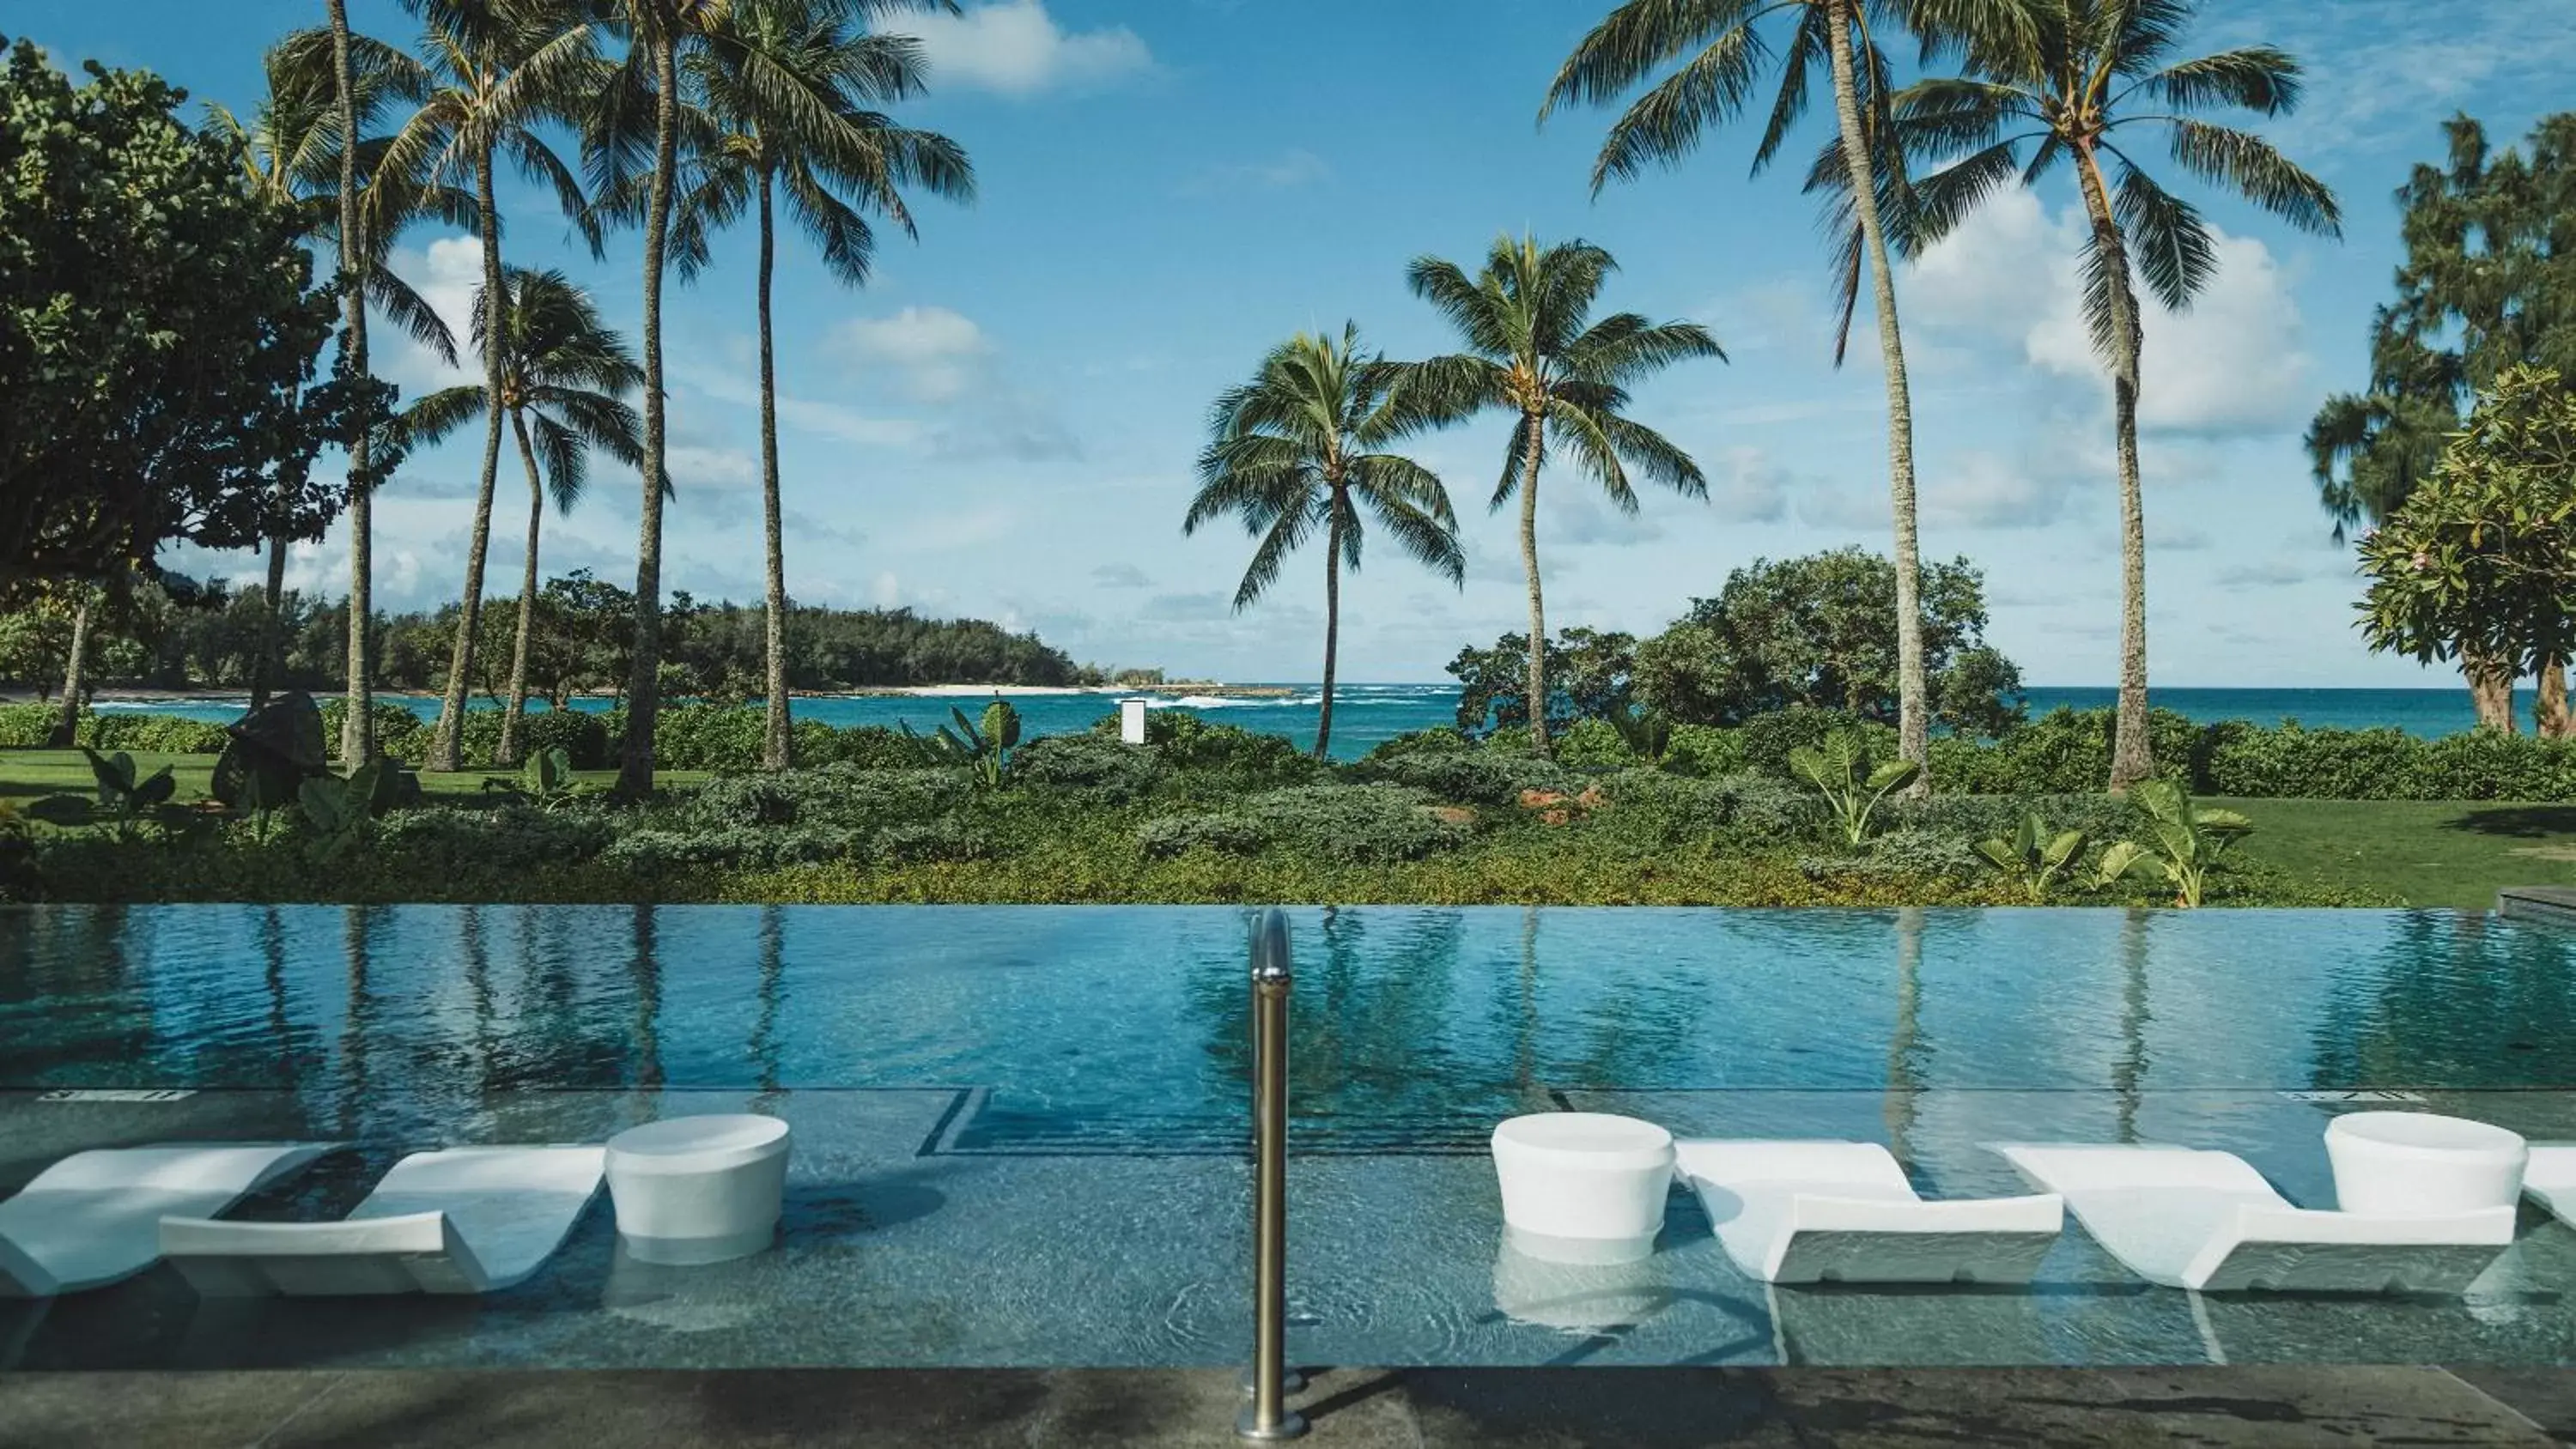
1712,88
565,376
1301,446
358,728
1531,354
289,156
492,73
786,87
2057,85
656,31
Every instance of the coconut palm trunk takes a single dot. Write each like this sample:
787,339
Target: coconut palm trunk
516,711
2131,758
1913,722
358,730
75,679
1332,619
1534,451
643,685
447,747
777,751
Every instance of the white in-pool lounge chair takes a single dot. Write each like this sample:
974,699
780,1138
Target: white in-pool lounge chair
1843,1212
2207,1221
2549,1179
464,1220
95,1217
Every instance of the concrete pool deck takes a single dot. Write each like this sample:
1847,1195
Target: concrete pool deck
1360,1409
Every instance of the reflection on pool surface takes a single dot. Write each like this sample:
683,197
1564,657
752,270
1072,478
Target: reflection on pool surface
1019,1130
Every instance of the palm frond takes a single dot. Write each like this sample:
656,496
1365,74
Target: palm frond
2248,165
2168,238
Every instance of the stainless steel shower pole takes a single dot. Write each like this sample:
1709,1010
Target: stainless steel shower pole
1268,1415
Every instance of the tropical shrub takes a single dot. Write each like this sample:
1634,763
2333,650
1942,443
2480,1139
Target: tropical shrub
653,852
1241,758
1438,740
1923,853
1656,810
399,732
439,844
1595,744
1348,824
1483,776
1102,769
2098,815
145,733
709,737
580,734
950,837
1694,749
27,726
1768,739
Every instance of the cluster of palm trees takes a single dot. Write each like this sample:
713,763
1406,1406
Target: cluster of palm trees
2040,84
687,115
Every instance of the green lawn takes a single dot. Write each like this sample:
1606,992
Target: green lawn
30,774
2430,852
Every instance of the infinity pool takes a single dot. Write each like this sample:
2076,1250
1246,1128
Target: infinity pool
1020,1130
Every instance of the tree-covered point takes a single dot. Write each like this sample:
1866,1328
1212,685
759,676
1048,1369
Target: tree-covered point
1817,632
160,332
579,641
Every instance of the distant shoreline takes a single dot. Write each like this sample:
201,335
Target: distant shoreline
145,694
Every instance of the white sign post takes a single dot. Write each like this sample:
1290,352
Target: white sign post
1131,721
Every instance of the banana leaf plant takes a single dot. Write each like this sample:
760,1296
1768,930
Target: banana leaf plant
1853,787
123,797
2034,856
2188,842
988,749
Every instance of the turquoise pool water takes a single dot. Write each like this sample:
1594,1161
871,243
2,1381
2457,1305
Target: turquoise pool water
1020,1130
1130,1020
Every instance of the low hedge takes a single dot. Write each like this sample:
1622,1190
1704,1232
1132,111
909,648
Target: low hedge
2063,753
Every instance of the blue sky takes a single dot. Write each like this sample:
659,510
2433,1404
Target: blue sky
1003,423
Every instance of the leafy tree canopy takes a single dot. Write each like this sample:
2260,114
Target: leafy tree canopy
2481,559
158,327
1588,677
1821,631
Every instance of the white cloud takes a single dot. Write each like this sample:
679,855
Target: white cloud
1017,49
2231,365
1746,487
447,275
935,351
1577,516
1120,576
1985,490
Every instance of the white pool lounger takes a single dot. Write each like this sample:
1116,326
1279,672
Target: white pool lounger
2549,1179
1843,1212
2207,1221
463,1220
95,1217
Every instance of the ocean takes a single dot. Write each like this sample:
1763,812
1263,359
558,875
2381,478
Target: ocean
1365,714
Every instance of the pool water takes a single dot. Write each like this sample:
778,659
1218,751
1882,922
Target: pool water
1020,1130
